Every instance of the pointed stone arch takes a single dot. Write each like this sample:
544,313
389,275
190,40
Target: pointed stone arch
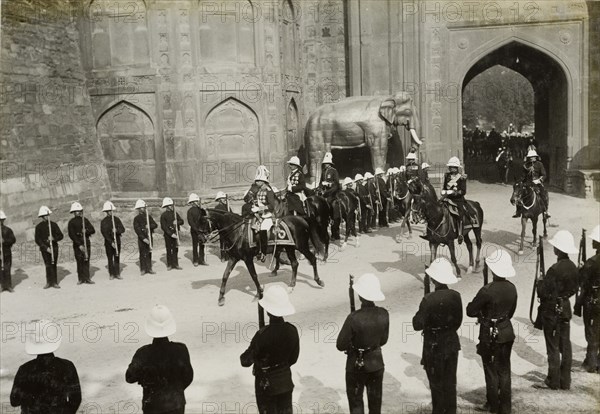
127,136
292,128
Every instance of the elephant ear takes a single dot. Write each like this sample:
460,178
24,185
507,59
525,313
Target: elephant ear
386,110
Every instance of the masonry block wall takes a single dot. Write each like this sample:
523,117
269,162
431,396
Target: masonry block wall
49,153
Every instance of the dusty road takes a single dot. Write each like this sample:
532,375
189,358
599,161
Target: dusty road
103,324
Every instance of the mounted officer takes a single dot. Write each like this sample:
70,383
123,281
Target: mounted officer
535,173
554,291
296,184
330,179
411,169
454,189
494,306
425,172
263,202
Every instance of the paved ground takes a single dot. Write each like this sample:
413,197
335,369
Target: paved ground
103,324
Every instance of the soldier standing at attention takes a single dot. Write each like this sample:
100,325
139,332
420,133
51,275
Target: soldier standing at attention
196,217
369,178
81,242
47,236
554,291
47,384
330,180
272,351
111,229
144,225
494,306
162,368
168,221
8,239
363,334
383,195
439,317
589,300
365,206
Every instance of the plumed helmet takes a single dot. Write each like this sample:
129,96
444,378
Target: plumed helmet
262,174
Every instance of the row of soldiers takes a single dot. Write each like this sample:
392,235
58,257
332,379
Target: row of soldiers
79,228
164,370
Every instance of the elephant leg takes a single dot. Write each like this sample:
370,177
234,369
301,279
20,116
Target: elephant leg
378,144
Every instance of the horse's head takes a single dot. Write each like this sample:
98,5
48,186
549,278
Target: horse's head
219,219
415,186
520,190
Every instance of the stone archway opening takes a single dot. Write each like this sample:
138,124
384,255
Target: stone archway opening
550,101
352,161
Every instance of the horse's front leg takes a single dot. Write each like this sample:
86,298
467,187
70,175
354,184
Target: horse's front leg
453,258
230,265
523,228
294,261
252,270
276,255
544,220
534,221
469,245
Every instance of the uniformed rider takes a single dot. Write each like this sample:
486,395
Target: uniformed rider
296,184
263,204
411,169
330,179
455,188
535,173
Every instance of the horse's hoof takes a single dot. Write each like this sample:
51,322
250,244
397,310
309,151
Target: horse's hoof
520,252
221,301
290,289
320,283
469,269
273,273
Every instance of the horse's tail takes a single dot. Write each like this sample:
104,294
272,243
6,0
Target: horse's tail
319,240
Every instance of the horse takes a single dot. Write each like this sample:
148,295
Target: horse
441,228
402,200
233,232
525,197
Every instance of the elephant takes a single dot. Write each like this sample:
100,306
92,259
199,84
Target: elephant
357,122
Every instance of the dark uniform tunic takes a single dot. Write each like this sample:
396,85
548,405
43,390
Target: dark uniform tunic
330,183
534,170
42,239
46,385
439,316
109,233
384,194
363,334
365,206
457,183
196,217
75,228
374,195
412,171
141,229
554,291
164,371
494,306
296,186
273,350
171,243
221,205
590,301
8,239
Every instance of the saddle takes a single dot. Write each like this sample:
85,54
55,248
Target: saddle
280,234
455,212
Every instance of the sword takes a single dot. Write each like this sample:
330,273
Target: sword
51,240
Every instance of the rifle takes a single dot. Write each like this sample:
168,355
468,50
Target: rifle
148,227
227,202
539,270
378,194
351,294
261,315
176,223
85,254
1,249
112,217
51,241
581,259
485,274
426,283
